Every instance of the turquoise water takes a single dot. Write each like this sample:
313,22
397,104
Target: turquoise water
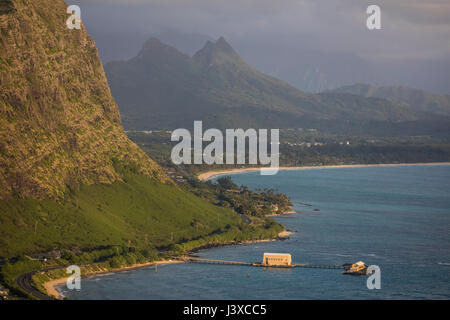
395,217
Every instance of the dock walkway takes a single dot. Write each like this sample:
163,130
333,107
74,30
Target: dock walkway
256,264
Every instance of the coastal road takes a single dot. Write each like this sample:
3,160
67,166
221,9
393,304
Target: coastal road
24,282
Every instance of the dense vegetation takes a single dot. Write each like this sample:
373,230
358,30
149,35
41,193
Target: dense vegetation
316,148
227,194
311,147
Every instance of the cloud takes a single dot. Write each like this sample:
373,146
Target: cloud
410,28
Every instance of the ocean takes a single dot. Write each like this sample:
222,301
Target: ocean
397,218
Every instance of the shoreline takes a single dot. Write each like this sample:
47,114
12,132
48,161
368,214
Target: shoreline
52,291
215,173
286,213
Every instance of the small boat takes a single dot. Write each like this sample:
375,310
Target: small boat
356,269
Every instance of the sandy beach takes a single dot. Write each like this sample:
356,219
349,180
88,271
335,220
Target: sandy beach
50,286
211,174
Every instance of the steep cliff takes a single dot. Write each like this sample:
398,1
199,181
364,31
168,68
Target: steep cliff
59,125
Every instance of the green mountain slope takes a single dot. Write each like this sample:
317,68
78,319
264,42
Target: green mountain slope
417,99
69,176
163,88
139,212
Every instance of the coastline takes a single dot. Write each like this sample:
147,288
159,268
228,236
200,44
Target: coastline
52,291
286,213
212,174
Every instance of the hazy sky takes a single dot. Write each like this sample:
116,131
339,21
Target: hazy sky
411,29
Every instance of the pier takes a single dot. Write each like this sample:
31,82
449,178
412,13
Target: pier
188,259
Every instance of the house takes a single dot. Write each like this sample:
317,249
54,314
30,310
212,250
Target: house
358,266
277,259
3,292
55,254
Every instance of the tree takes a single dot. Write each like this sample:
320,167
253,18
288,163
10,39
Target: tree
226,183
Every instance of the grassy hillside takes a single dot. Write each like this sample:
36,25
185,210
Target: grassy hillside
139,212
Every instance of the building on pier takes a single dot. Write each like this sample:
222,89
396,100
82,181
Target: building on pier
277,259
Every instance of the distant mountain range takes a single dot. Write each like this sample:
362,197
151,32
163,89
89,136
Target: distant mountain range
306,69
415,98
164,88
299,61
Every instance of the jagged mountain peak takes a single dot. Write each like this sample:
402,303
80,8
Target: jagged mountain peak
217,53
220,45
152,42
223,45
217,86
153,45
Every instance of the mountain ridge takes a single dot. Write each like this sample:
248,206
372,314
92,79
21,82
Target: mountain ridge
166,91
415,98
216,53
